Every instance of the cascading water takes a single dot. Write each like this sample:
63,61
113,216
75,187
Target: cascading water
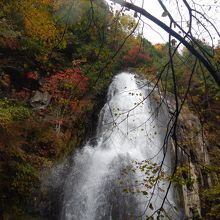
130,129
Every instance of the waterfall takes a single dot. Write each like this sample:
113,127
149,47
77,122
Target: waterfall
130,129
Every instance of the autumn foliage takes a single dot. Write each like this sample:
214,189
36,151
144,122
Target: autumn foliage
38,22
32,75
67,86
136,56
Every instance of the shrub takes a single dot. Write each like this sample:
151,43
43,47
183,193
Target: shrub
12,112
136,56
66,86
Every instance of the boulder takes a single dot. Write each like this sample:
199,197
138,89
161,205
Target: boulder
40,100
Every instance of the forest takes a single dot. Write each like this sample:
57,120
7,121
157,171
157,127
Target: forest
57,60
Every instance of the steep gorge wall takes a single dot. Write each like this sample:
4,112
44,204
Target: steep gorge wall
193,155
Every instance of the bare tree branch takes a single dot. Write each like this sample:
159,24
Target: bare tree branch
215,74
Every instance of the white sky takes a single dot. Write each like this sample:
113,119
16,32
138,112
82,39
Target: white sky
152,32
159,36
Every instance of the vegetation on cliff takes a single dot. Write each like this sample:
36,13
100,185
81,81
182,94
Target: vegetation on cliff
57,59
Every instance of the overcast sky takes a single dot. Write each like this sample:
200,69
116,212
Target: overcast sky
155,34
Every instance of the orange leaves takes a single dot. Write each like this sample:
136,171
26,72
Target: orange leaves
79,106
195,99
159,46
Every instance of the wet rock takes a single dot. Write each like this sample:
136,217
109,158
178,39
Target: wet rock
40,100
191,137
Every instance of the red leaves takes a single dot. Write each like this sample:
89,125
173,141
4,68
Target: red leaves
32,75
59,122
23,94
66,85
136,55
9,43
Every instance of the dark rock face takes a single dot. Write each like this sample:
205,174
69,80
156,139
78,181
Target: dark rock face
193,153
19,79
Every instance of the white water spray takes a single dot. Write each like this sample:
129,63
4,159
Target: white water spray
129,129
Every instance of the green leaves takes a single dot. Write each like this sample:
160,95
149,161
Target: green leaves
11,112
182,176
145,193
126,190
150,173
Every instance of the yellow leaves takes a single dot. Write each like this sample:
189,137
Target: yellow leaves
159,46
38,21
38,25
128,22
45,2
58,4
